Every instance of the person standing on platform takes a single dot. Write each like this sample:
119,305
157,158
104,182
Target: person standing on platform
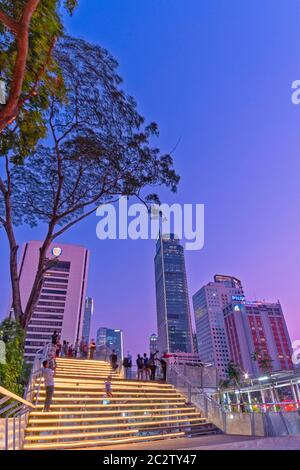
140,367
92,348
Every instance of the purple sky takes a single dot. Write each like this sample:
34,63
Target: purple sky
218,74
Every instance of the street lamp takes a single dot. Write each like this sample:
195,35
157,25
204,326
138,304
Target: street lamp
2,92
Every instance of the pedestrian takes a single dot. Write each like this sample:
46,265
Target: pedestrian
48,375
65,348
70,350
152,366
54,338
76,348
163,364
146,370
58,348
85,350
114,360
140,367
81,347
92,348
108,387
127,364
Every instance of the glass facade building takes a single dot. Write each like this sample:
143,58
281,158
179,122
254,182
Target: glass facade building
208,303
172,301
112,339
88,312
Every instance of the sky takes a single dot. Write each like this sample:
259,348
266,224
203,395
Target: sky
217,75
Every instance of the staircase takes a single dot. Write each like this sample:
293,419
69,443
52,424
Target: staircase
81,416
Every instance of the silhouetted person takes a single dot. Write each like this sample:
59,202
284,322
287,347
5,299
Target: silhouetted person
140,367
163,364
114,360
146,367
65,348
54,338
127,364
92,348
152,366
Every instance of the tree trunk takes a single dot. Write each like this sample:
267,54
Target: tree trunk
21,31
13,256
14,275
38,282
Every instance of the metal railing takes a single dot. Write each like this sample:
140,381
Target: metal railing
235,418
13,419
14,410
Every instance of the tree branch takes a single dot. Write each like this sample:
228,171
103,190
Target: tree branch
9,22
83,216
10,110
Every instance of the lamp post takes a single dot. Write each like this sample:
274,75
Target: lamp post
2,92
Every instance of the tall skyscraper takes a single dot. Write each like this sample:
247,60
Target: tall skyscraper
112,339
172,300
61,302
260,328
87,317
153,343
208,304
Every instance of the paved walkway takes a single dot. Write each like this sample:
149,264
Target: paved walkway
216,442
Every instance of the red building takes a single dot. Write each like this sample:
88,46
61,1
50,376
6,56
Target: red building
258,337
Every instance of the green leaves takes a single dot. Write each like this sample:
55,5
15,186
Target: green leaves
13,374
42,72
103,146
70,5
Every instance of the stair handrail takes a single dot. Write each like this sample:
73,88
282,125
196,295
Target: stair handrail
16,411
7,395
14,415
207,404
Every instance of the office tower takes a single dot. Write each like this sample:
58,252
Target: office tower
260,328
153,343
208,304
61,302
87,317
109,339
172,301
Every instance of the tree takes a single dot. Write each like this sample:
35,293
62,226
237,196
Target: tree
234,374
14,373
98,149
28,32
263,360
265,364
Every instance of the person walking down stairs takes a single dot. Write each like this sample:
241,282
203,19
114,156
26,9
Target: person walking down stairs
48,375
108,387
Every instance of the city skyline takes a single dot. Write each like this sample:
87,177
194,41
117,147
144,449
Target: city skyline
238,140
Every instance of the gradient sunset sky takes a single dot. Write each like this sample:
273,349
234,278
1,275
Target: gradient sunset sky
217,74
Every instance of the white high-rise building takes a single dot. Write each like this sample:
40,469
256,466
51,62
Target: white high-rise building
209,303
60,306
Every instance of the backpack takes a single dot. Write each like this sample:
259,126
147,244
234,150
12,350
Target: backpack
140,362
125,362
